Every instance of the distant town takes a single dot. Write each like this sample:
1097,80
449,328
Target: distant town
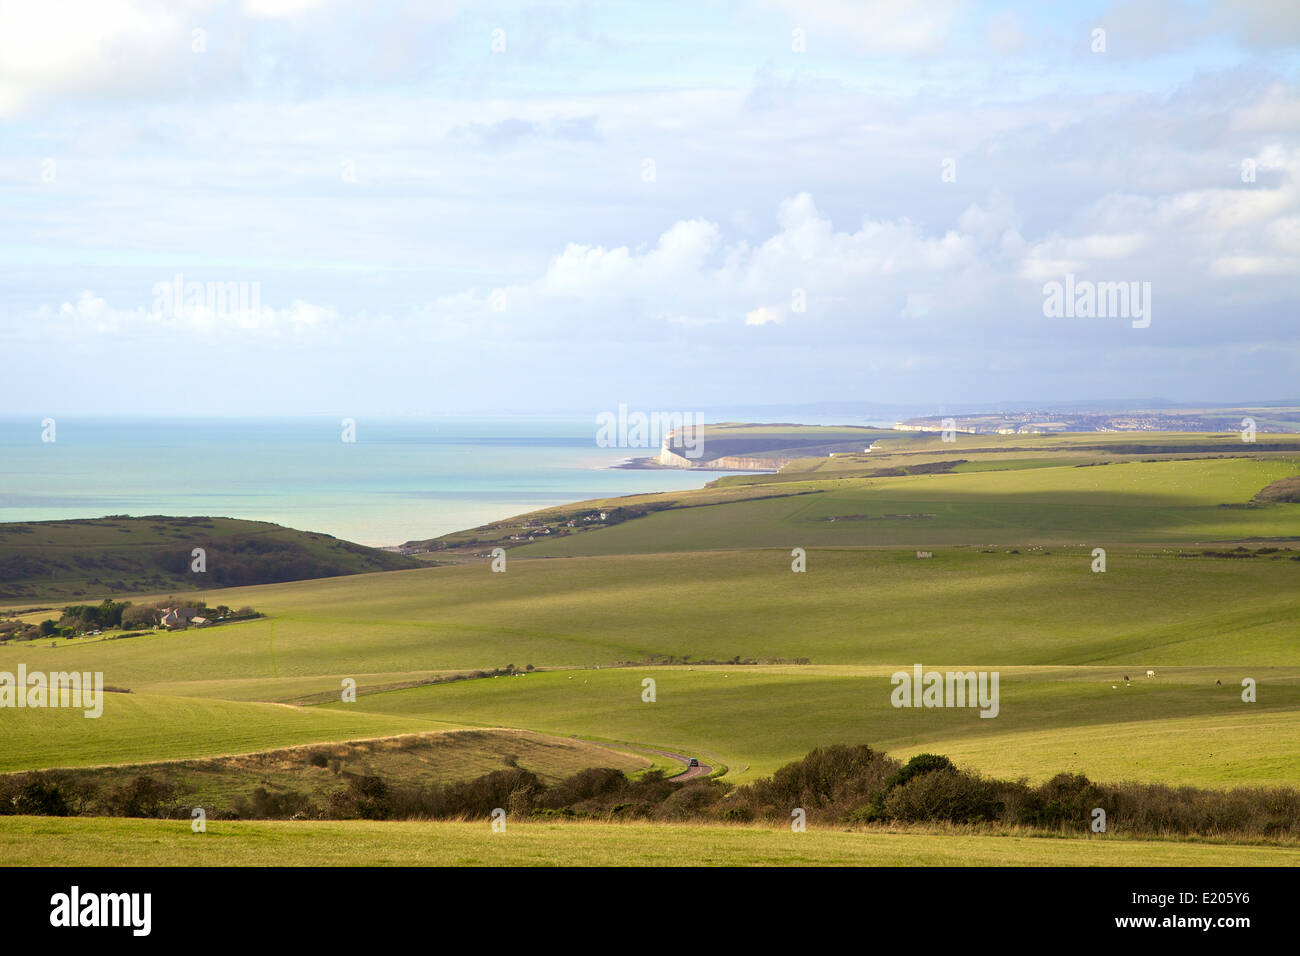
1265,419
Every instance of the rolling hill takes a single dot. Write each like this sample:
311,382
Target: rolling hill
755,662
48,560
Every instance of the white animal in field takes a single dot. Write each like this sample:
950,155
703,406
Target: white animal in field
1151,673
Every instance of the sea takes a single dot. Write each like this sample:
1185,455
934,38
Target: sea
397,480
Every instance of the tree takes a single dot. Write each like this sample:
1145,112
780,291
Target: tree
138,615
109,613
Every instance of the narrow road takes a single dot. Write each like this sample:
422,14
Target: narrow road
703,770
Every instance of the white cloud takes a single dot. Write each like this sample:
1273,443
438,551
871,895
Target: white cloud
593,271
56,50
89,46
878,26
1003,34
280,9
918,306
89,314
764,315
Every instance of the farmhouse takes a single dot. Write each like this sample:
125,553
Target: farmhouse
178,618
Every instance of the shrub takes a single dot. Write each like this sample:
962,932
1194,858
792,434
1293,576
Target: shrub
512,790
827,782
687,803
34,794
585,785
139,615
737,814
547,813
264,805
918,765
951,796
142,797
1066,802
367,797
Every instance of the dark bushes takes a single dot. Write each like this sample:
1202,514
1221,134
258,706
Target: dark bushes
365,798
833,785
827,784
948,796
1066,802
37,794
142,797
262,805
583,786
918,765
687,803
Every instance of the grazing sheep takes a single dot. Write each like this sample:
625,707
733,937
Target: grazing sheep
1151,673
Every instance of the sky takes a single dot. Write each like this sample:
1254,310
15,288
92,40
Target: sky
229,207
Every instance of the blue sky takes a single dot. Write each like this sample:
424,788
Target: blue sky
449,207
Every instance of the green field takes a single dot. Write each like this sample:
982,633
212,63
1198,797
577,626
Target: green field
850,607
1201,584
1127,503
39,841
1060,634
140,728
1050,719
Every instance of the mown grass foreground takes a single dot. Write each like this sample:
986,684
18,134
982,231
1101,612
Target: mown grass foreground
48,841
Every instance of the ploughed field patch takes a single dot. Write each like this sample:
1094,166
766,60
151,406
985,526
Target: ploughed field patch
286,782
1284,489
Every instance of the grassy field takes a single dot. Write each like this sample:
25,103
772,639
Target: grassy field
850,607
1179,728
1010,587
32,841
900,454
141,728
1060,634
1165,502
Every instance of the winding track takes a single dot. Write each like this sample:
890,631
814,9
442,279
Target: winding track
703,770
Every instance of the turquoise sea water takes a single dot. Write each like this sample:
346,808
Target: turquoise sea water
402,479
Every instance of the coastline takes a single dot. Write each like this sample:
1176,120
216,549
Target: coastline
650,464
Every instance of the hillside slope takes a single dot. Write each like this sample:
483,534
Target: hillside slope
42,560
